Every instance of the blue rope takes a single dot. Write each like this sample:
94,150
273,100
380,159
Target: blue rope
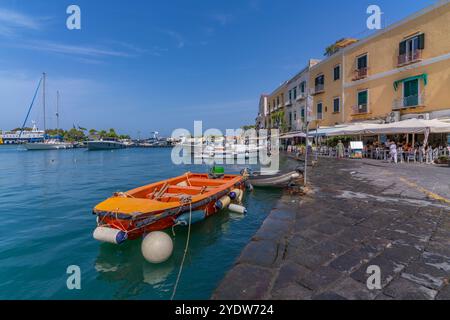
31,106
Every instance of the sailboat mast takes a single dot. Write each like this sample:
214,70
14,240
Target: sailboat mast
57,111
43,99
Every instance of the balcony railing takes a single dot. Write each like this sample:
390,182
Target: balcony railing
319,116
410,57
409,102
319,88
288,103
301,96
360,74
360,109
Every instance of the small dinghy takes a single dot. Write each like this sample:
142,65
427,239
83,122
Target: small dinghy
277,180
182,200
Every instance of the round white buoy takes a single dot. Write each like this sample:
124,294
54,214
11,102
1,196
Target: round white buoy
157,247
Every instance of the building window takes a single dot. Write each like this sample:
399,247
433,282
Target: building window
302,113
337,72
278,102
303,87
290,119
336,105
361,62
410,50
411,93
290,95
363,98
295,93
319,111
295,115
320,83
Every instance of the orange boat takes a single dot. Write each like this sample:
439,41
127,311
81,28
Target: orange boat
188,198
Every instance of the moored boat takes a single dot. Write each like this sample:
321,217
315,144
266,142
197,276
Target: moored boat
191,197
105,145
48,145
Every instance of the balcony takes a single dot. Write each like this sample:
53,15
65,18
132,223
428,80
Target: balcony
360,74
301,96
409,58
360,109
319,116
288,103
319,88
409,102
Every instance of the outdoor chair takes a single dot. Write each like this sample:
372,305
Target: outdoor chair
411,156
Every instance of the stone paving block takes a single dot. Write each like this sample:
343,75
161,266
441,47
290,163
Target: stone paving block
353,235
328,228
389,270
402,254
354,290
377,221
402,238
444,294
299,242
262,253
426,275
292,292
289,273
437,260
309,258
273,229
244,282
328,296
349,261
287,214
402,289
320,278
315,236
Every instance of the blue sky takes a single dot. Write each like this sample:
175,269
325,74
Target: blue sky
159,65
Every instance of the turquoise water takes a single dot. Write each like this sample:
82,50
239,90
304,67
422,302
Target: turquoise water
46,198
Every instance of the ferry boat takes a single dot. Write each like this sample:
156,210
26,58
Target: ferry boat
161,205
16,137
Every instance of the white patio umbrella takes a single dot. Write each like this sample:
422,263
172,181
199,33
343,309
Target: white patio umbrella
411,126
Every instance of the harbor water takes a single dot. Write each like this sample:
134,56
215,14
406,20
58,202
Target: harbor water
46,198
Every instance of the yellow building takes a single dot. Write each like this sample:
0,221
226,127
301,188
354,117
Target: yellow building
400,72
276,107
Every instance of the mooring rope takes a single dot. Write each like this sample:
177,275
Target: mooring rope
186,247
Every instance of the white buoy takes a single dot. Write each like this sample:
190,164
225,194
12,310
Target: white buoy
237,208
109,235
235,194
157,247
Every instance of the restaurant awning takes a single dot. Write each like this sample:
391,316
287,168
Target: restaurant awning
411,126
422,76
293,135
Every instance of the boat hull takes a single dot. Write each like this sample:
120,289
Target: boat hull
157,206
105,145
47,146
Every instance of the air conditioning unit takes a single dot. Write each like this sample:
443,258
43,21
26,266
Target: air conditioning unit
421,116
394,116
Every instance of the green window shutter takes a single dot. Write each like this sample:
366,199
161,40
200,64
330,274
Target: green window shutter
402,48
422,41
362,98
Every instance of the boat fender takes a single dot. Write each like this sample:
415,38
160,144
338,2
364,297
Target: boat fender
110,235
223,202
249,186
234,194
157,247
237,209
197,216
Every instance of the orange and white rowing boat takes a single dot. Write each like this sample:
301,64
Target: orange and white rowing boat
178,201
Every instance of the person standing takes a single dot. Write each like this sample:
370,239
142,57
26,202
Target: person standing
393,151
340,149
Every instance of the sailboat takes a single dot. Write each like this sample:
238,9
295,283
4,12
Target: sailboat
48,144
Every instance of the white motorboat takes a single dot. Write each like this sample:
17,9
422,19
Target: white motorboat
48,145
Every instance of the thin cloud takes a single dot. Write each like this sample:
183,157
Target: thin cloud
89,51
221,18
12,21
175,36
